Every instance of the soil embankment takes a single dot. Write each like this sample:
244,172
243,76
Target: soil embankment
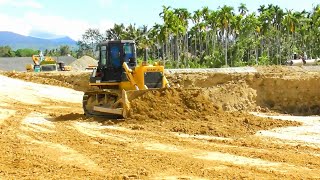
281,89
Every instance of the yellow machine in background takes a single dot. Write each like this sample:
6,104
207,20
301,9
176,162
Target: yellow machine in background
29,67
120,80
46,63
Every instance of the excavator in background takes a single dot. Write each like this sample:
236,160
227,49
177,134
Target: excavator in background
46,63
119,80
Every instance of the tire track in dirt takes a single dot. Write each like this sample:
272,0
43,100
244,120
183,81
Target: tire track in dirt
242,161
62,154
24,135
28,135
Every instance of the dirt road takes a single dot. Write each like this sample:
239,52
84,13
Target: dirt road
44,135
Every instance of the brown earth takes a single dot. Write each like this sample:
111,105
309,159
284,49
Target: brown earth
75,80
193,112
202,130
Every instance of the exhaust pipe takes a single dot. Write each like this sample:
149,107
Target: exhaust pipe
145,56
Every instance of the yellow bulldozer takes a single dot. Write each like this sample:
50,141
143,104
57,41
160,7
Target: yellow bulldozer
119,80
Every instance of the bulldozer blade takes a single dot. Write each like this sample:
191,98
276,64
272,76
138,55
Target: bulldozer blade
129,96
120,108
118,111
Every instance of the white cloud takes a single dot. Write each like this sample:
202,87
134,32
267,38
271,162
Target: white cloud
14,24
21,3
105,3
57,25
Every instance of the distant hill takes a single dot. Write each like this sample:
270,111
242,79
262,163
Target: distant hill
17,41
44,35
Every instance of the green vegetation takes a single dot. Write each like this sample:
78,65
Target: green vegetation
219,38
6,51
62,51
26,52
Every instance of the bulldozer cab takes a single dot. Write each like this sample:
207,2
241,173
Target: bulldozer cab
112,54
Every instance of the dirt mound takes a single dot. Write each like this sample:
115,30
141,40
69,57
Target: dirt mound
281,89
82,63
193,112
284,70
233,96
180,101
229,92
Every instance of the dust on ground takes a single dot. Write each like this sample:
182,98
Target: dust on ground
197,131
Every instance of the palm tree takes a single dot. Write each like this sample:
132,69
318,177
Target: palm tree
161,36
315,31
261,9
248,32
277,23
196,18
225,16
183,17
243,10
116,32
165,15
213,23
220,33
290,23
181,20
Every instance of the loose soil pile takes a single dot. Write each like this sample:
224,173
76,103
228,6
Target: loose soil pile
193,112
82,63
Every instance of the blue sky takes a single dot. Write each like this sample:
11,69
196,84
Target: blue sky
73,17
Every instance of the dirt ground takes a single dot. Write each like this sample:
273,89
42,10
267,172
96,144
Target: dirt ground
210,126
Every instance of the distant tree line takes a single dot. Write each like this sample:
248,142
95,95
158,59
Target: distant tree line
222,37
7,51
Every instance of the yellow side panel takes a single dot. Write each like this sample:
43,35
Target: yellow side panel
139,71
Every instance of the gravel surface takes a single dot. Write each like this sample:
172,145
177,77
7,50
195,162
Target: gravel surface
82,63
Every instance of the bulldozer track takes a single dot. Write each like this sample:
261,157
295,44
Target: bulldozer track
91,113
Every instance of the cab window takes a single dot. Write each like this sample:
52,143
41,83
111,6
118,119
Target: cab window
103,55
115,56
127,49
128,52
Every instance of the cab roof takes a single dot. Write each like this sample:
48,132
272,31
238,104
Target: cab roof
116,42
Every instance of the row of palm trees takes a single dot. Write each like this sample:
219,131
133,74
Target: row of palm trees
221,37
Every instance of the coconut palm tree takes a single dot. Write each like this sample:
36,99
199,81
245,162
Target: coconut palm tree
213,24
243,10
225,16
273,32
116,32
